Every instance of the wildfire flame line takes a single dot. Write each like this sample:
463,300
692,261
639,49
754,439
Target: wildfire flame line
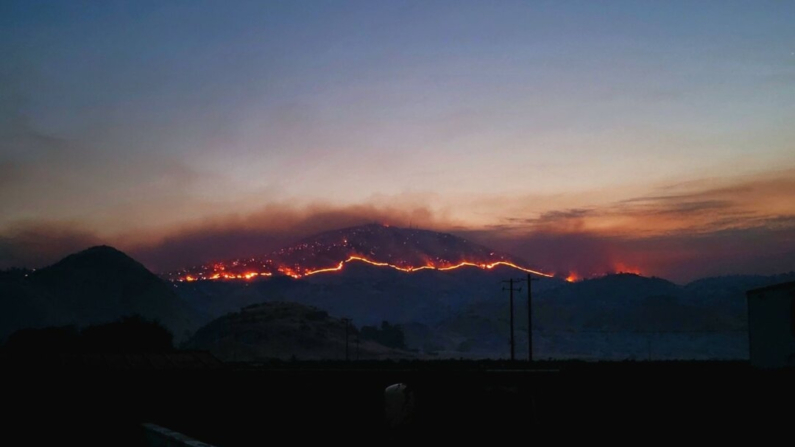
293,273
425,267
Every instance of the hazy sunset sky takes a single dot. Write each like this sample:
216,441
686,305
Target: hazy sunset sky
581,136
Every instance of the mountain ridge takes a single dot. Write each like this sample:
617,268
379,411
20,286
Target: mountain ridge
406,249
461,312
97,285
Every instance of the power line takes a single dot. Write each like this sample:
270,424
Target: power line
511,289
347,322
530,280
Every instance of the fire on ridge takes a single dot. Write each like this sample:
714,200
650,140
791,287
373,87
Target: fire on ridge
406,250
300,273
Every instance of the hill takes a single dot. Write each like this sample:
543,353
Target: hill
282,330
363,292
465,312
97,285
405,249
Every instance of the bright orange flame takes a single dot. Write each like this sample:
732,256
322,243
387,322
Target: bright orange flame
573,277
289,272
341,265
297,273
330,269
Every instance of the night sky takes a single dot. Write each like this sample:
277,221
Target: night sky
584,137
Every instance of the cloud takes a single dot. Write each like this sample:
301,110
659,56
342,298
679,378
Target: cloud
751,202
704,231
685,232
34,245
679,257
228,236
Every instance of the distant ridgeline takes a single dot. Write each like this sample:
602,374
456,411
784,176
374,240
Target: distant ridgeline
460,313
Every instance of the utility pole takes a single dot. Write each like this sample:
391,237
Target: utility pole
347,322
511,289
530,280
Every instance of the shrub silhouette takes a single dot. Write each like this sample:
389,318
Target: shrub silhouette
133,334
390,335
49,340
129,335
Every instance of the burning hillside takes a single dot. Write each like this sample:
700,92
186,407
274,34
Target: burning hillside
402,249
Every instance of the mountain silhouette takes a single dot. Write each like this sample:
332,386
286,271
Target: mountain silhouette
465,312
97,285
450,313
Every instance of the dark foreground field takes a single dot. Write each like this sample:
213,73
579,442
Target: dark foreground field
246,405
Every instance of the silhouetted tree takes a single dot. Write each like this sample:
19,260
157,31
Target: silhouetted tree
130,334
49,340
388,335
